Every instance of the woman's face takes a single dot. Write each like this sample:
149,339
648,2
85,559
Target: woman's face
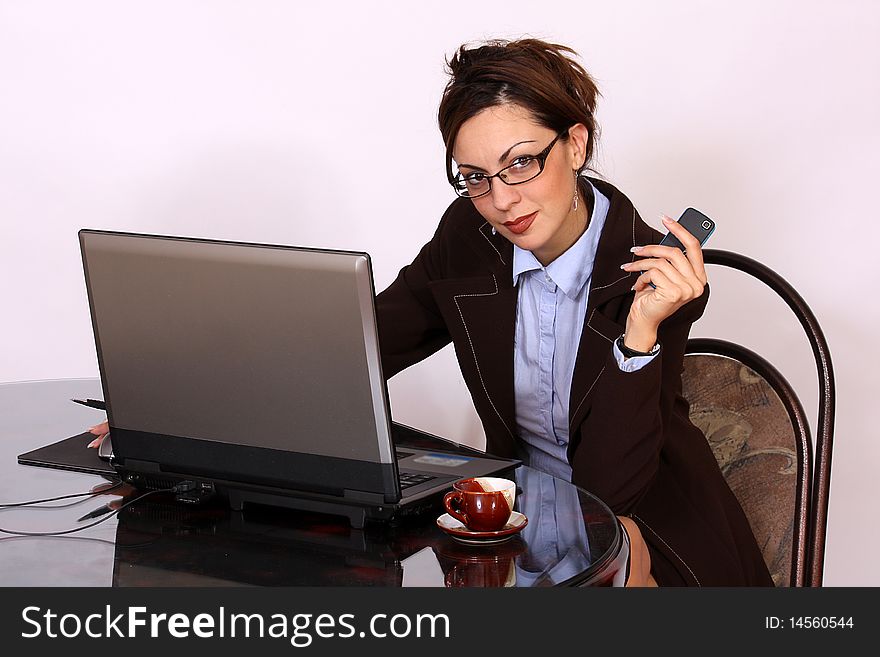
537,215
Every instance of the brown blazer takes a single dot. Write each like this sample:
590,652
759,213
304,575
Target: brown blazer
631,442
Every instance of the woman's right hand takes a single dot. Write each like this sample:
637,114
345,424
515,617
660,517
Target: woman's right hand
101,431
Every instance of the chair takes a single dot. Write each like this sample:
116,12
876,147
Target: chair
760,436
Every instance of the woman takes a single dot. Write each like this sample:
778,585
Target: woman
571,347
568,321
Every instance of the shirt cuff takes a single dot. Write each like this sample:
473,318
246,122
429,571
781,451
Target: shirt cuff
633,364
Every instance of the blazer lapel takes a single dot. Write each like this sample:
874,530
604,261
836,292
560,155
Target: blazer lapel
482,310
621,232
488,315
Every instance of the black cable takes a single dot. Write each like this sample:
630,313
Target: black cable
176,489
63,497
50,507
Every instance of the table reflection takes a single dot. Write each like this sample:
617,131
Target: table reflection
556,536
568,541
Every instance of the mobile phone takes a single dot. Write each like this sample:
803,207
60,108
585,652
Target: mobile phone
694,222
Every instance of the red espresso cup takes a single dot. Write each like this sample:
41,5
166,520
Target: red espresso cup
482,504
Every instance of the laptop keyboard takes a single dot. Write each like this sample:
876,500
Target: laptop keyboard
408,479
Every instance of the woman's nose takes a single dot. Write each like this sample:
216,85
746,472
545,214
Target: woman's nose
503,196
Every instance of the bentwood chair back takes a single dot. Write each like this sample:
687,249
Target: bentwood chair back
761,438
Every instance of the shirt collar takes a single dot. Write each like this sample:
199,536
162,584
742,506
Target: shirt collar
571,270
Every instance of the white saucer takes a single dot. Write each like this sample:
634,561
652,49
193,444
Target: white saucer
462,534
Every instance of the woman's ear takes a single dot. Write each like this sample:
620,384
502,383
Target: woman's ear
578,135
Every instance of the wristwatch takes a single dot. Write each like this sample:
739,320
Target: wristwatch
632,353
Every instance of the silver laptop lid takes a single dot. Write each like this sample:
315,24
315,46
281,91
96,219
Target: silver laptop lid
247,344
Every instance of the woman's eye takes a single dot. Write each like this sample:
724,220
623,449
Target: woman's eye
474,179
522,162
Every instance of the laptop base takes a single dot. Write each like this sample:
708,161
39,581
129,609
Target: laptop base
72,454
358,507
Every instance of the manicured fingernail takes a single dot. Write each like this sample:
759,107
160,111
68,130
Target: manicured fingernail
636,249
624,265
666,219
632,288
93,443
93,428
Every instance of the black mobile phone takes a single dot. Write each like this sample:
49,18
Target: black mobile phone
694,222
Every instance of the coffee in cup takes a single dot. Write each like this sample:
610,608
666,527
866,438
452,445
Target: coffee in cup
483,504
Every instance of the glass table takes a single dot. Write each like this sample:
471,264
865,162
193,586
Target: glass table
571,539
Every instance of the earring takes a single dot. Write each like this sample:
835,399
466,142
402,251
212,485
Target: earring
575,191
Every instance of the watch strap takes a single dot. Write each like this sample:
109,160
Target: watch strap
632,353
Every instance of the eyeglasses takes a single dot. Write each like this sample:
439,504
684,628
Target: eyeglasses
523,169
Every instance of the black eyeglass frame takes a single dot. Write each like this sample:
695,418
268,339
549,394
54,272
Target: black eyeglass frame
540,157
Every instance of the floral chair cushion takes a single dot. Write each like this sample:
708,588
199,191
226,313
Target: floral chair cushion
751,435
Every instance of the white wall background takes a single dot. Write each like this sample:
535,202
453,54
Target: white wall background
277,121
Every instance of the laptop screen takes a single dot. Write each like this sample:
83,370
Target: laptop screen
243,344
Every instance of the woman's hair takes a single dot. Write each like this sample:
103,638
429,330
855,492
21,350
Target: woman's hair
537,76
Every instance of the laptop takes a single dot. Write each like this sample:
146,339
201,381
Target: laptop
252,371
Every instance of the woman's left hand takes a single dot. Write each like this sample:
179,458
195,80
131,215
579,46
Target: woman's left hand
678,278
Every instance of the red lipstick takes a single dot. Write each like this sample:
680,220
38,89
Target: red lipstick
521,224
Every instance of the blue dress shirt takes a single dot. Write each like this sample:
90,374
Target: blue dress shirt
550,312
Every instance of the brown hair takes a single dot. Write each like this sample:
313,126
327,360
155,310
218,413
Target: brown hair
538,76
